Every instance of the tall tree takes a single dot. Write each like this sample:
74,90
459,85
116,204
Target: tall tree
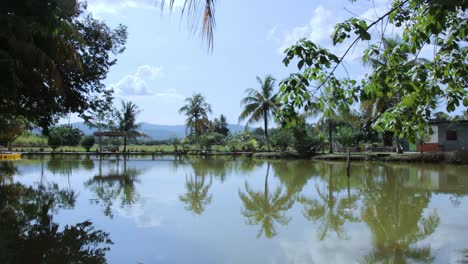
220,125
193,9
11,129
196,109
380,100
53,58
440,24
126,117
260,104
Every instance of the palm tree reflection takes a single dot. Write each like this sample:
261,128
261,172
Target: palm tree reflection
265,208
333,208
394,214
115,185
197,197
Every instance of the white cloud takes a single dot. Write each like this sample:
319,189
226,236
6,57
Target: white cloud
318,30
171,94
116,6
144,217
136,84
272,33
330,250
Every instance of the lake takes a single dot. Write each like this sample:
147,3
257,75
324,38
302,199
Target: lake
230,210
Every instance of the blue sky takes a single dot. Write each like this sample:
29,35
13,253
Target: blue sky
164,63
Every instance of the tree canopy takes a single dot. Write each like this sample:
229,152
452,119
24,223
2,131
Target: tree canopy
437,25
440,24
53,58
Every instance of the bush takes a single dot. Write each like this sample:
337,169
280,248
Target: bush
212,138
241,141
347,136
64,135
304,142
281,139
87,142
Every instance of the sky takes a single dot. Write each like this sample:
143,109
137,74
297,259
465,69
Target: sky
165,62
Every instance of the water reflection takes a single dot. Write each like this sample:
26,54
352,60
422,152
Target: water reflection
197,195
265,208
383,213
7,171
115,184
333,208
28,233
394,214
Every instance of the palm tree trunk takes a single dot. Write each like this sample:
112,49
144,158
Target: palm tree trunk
125,144
265,118
330,142
266,182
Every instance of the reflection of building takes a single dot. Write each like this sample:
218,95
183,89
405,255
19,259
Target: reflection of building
438,180
447,136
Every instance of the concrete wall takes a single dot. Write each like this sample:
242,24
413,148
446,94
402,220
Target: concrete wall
435,134
462,136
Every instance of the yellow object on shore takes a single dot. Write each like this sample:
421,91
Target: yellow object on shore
10,156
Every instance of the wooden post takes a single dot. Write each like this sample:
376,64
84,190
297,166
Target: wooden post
348,161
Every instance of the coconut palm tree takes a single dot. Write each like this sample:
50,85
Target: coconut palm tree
265,208
127,121
194,9
196,109
260,104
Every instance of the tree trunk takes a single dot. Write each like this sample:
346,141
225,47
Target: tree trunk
266,183
330,135
266,130
387,139
125,144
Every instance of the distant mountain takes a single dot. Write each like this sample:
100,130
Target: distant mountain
157,132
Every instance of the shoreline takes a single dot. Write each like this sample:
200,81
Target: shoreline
410,157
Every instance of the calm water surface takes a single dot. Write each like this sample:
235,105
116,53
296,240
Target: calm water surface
227,210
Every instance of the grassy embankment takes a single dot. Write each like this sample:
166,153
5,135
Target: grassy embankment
33,142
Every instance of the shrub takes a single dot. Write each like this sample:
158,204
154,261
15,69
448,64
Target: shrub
87,142
281,139
304,142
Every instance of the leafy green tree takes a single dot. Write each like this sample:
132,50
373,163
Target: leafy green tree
260,104
126,118
265,208
87,142
281,139
305,143
211,138
241,141
53,62
377,102
64,135
196,110
220,125
420,85
12,128
346,135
